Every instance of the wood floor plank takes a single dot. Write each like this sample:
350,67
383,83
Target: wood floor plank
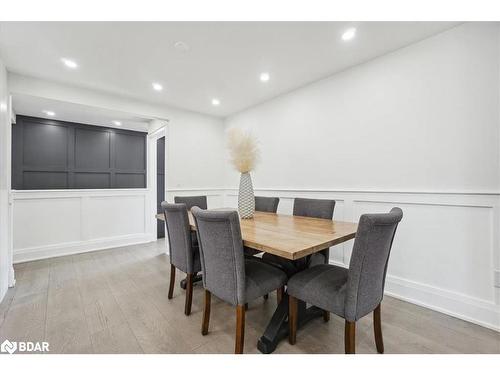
25,319
5,304
115,301
152,331
116,339
103,312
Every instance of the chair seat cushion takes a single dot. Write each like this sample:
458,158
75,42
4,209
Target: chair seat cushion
261,278
323,286
317,258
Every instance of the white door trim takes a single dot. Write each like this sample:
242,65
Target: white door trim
151,206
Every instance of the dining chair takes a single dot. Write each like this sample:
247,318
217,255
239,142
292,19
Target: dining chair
226,272
190,202
267,204
318,208
184,255
354,292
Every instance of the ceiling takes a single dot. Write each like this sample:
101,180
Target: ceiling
223,61
64,111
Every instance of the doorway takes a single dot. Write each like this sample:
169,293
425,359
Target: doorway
160,184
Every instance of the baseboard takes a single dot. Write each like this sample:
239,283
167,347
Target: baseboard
470,309
70,248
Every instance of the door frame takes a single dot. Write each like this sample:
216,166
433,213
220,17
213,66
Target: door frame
151,183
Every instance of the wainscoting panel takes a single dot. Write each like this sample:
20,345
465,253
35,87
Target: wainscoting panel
45,222
215,196
446,253
54,223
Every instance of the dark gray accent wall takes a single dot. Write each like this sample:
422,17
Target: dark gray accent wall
50,154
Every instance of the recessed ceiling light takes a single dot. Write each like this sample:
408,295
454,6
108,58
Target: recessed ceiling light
69,63
264,77
181,46
157,86
49,113
349,34
215,102
117,123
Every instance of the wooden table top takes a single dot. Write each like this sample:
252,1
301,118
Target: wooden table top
290,237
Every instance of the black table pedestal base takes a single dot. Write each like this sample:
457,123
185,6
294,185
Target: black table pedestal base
277,329
196,279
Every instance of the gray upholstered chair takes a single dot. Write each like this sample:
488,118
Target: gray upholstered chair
355,292
226,272
266,204
318,208
198,201
184,255
190,202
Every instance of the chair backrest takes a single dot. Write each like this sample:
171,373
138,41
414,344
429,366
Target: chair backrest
198,201
266,204
319,208
368,265
221,254
179,236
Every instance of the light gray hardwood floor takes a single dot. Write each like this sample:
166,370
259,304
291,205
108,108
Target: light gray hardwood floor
115,301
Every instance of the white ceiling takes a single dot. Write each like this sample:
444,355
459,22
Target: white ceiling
35,106
224,59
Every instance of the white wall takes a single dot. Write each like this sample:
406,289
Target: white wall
419,129
5,261
52,223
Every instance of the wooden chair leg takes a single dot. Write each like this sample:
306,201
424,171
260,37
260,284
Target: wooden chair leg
279,293
206,313
292,320
326,316
172,282
189,294
377,328
240,329
349,337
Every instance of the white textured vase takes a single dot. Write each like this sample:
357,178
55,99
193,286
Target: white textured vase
246,199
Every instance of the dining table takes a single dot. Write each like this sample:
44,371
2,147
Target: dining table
294,238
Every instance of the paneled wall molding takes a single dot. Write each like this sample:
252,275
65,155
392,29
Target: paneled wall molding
173,190
51,194
373,191
53,154
474,310
446,254
63,222
445,257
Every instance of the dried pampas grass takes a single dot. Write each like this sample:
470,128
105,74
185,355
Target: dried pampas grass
243,150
